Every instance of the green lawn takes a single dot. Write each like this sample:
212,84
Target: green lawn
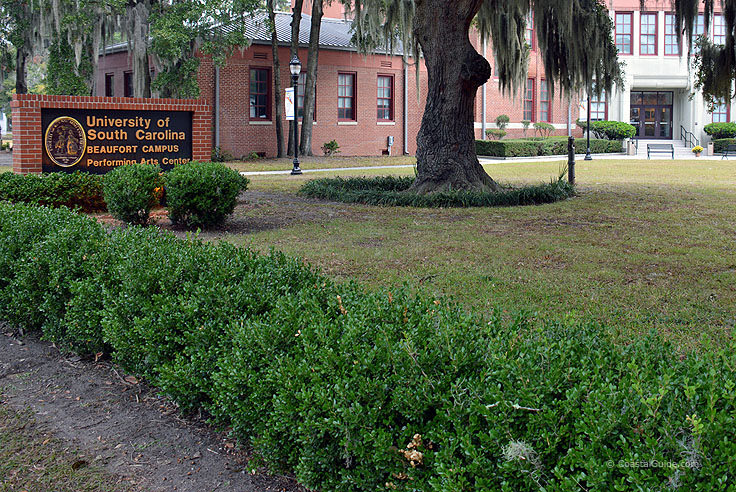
320,163
6,169
646,244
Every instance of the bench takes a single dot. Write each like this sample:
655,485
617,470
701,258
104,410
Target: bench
660,149
730,150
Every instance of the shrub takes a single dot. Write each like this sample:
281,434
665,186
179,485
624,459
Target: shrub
534,147
221,155
612,130
495,133
544,129
202,194
130,192
352,389
502,121
719,131
525,125
75,190
331,148
722,144
391,191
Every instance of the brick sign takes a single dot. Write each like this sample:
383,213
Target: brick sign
99,141
96,134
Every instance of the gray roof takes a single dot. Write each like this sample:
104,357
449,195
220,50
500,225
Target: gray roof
336,34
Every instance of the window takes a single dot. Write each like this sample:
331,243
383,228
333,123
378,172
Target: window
260,97
648,34
385,98
698,30
671,38
346,96
623,33
128,84
529,100
720,113
109,85
598,107
545,113
300,91
529,35
719,30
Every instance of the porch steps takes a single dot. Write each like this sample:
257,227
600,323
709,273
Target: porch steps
681,150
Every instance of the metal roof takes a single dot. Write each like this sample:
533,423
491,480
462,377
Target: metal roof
336,34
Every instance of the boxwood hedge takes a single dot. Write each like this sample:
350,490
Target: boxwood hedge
74,190
357,390
541,147
721,144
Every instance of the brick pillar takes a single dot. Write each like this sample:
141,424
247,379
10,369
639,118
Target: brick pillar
27,136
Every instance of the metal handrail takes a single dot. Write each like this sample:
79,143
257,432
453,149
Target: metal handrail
688,137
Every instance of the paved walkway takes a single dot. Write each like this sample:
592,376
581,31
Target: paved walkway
485,160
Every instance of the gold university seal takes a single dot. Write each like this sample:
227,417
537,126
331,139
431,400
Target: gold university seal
65,141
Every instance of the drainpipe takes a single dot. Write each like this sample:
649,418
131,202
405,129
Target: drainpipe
405,104
484,102
217,106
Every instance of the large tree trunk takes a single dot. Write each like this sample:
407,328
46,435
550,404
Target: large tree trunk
446,158
21,86
305,146
278,101
296,21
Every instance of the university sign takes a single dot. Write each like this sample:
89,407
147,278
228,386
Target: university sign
99,134
98,141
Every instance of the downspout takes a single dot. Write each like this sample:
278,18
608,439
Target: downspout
405,104
484,102
217,106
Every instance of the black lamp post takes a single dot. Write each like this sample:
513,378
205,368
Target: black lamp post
295,66
588,157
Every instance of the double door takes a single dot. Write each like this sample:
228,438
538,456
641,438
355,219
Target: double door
651,114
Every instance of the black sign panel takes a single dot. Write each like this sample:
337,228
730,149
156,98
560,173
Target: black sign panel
98,140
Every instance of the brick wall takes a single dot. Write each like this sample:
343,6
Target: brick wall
28,135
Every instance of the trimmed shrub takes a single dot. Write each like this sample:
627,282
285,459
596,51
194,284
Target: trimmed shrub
544,129
359,390
495,133
502,121
721,144
331,148
719,131
393,191
202,194
130,192
536,147
75,190
612,130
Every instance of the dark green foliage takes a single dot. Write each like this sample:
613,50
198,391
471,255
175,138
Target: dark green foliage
130,192
202,194
544,129
527,147
720,130
75,190
331,148
392,191
612,130
495,133
332,381
722,144
60,77
502,121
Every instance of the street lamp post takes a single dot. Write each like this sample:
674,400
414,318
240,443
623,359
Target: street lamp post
295,67
588,157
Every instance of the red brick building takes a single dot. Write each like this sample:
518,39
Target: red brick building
361,101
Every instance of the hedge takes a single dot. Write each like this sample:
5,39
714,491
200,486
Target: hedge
75,190
394,191
537,147
721,144
718,131
364,390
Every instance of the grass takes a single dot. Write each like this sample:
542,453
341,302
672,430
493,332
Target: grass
6,169
647,244
31,460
